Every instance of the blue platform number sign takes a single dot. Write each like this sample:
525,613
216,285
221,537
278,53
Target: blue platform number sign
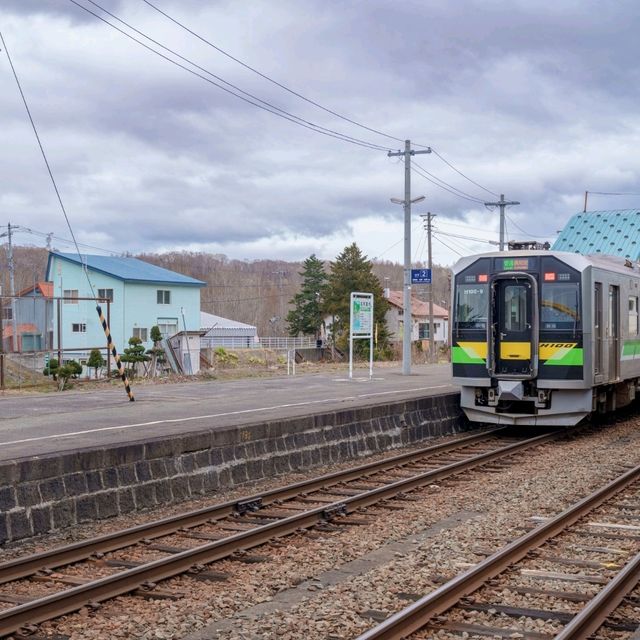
420,276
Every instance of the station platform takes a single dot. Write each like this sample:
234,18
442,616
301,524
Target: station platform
77,456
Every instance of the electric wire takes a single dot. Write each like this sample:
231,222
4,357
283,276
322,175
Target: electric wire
435,237
252,100
46,162
422,240
526,233
460,191
455,243
450,190
456,235
267,297
611,193
493,193
269,79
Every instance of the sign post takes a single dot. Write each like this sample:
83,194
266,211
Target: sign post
361,325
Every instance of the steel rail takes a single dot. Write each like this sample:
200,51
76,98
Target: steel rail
417,615
126,581
596,611
28,565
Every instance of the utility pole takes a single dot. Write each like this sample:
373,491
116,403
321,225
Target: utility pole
502,203
407,202
430,216
12,286
280,303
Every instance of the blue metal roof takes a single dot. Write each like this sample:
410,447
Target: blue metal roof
614,233
128,269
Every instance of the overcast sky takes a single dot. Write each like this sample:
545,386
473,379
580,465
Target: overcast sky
536,100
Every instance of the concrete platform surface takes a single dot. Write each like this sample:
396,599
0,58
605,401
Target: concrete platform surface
41,424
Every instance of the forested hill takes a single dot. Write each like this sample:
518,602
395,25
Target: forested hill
256,292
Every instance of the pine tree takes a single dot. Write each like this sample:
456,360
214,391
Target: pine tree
133,354
306,316
351,271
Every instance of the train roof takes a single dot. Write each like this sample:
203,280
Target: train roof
575,260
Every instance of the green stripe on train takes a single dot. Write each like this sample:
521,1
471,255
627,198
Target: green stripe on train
573,358
461,356
631,349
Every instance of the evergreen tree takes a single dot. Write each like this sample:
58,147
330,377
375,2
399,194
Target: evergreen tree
306,316
133,354
351,271
95,361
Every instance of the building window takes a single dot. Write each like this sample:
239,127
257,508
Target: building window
633,315
79,327
140,332
423,330
7,313
164,296
70,296
168,326
106,294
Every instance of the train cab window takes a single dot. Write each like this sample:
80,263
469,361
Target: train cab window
471,306
559,306
633,315
515,307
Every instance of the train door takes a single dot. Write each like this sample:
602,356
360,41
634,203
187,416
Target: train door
597,331
513,335
613,332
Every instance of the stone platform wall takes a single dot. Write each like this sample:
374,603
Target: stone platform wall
38,495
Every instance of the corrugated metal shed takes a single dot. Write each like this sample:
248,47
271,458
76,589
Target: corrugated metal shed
217,326
614,233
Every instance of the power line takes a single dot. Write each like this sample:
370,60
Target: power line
464,175
252,100
269,79
455,235
275,295
435,237
526,233
103,322
612,193
451,188
46,162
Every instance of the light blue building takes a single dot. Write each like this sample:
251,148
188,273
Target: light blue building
614,233
141,295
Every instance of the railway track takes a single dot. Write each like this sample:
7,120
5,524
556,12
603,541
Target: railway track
44,586
593,546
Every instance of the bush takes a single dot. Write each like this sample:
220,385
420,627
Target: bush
51,369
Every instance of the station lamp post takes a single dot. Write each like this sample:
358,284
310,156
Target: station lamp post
406,302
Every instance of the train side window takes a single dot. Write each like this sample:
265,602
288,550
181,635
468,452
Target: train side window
633,315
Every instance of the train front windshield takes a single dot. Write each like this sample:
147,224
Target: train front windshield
472,306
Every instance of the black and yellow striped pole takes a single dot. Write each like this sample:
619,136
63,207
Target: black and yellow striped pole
114,352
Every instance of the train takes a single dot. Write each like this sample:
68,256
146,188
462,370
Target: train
544,338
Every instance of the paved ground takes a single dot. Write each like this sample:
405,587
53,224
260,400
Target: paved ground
38,424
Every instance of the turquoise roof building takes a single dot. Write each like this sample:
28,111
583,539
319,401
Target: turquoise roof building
140,296
614,233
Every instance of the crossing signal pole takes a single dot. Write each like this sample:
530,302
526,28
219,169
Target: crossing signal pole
502,203
407,202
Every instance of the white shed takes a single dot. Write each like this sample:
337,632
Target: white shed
223,332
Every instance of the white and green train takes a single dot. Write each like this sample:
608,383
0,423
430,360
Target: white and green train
544,337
